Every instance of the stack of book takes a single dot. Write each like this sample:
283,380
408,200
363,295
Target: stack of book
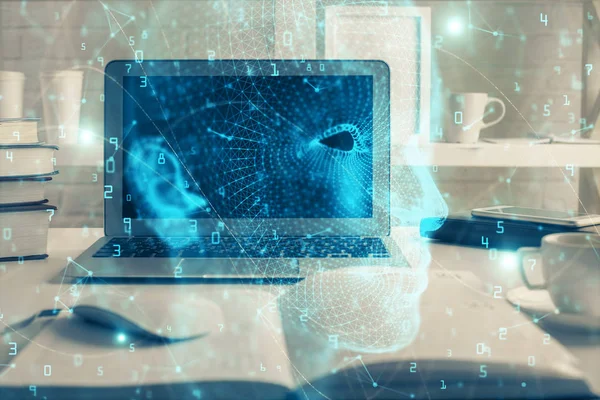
26,166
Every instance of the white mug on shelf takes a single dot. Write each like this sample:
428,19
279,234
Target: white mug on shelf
568,266
466,114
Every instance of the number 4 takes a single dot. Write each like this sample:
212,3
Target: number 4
485,242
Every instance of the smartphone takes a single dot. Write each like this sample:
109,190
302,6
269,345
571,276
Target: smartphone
550,217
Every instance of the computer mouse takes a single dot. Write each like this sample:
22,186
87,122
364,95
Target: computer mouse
153,317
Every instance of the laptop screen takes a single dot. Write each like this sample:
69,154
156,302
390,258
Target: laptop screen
247,147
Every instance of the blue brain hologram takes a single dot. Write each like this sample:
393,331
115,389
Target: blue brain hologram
249,146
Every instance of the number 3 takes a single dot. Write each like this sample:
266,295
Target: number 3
13,349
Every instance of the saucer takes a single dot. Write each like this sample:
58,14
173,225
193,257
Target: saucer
539,305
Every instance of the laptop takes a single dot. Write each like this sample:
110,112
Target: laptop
243,169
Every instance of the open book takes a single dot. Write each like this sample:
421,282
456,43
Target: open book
470,344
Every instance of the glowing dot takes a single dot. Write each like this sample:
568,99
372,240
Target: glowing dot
535,320
178,369
131,298
90,273
470,26
121,338
495,33
374,384
56,298
83,101
509,261
507,180
523,384
112,35
86,137
455,26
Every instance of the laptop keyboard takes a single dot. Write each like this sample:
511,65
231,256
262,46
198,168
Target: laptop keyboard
228,247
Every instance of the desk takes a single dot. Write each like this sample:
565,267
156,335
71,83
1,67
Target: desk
24,290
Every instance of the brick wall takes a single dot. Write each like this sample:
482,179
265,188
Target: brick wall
49,35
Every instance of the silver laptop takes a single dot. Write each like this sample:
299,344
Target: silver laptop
243,169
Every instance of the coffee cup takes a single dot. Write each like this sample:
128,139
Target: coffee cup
567,265
61,100
11,94
466,114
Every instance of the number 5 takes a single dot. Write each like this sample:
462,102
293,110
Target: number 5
500,227
482,371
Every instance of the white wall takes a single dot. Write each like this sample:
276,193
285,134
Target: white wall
49,35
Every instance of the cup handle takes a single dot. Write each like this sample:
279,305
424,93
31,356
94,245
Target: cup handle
522,255
497,120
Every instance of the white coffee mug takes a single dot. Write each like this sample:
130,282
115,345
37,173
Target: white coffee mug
466,112
568,266
61,100
11,94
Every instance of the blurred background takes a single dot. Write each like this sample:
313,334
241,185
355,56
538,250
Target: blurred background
542,55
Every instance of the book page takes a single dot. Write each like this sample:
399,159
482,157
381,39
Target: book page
247,346
465,333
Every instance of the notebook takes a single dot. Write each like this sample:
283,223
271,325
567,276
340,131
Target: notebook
27,160
25,231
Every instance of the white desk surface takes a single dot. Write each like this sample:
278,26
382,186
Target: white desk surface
24,290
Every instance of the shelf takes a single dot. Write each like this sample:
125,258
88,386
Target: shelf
440,154
498,155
